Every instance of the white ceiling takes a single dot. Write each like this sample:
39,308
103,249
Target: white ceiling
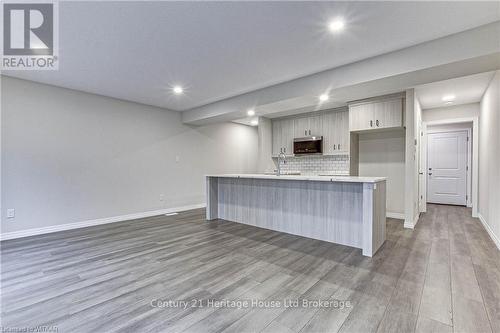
136,50
467,89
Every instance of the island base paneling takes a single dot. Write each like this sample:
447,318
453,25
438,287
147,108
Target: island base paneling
346,213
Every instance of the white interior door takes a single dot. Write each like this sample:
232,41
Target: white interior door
447,168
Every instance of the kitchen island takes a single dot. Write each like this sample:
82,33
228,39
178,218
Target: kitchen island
343,209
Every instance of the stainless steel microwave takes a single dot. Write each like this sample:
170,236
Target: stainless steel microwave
308,145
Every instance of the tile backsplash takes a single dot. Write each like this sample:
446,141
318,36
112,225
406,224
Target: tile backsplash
313,165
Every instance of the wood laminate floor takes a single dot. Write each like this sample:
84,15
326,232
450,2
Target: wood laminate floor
444,276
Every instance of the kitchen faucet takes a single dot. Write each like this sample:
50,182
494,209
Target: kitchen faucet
281,158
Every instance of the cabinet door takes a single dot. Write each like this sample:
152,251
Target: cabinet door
342,132
314,126
388,113
301,127
361,117
276,136
287,135
328,121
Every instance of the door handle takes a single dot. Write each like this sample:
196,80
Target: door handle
420,173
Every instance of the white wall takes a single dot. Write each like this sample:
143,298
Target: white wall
383,154
451,112
412,110
417,180
69,156
489,159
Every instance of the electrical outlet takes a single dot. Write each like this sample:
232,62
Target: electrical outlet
177,159
162,197
11,213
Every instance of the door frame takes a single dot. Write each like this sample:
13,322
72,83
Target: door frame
468,192
473,159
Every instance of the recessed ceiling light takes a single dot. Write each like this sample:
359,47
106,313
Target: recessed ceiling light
336,25
251,112
178,90
448,98
254,122
323,97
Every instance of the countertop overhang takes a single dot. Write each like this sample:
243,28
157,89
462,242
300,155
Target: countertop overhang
346,179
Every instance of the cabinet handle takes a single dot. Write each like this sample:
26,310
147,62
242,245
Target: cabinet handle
281,150
305,132
334,147
309,132
284,150
339,146
377,122
371,123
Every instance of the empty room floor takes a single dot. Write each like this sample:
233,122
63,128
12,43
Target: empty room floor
443,276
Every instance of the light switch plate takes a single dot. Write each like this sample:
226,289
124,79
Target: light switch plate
11,213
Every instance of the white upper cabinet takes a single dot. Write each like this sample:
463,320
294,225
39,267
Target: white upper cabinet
389,113
377,114
301,127
361,117
329,130
315,127
282,135
287,136
276,135
307,126
343,132
333,126
335,131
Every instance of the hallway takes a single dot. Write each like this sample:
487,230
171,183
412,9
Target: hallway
462,275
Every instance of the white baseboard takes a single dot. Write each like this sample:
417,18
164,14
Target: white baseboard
415,221
89,223
408,225
495,239
411,224
399,216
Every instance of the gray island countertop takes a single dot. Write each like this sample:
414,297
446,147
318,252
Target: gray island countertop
348,179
